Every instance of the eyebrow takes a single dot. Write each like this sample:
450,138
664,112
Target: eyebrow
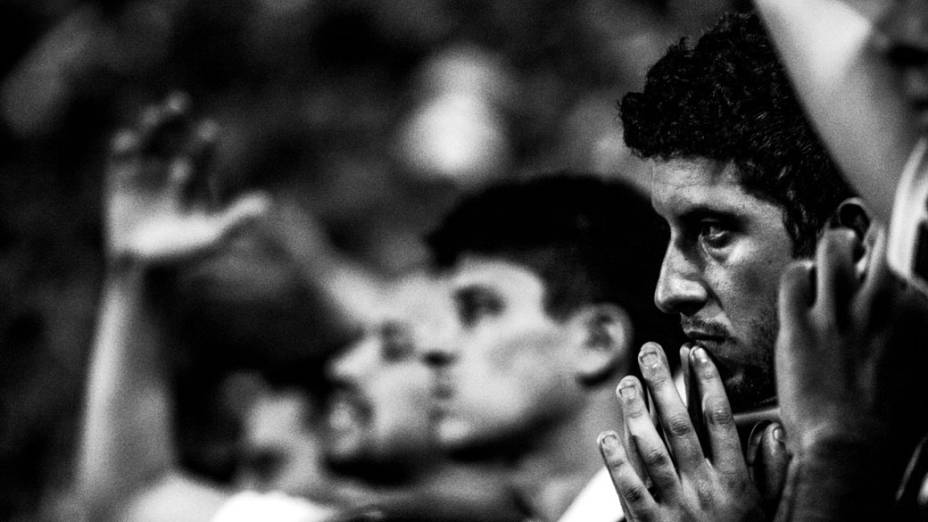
702,210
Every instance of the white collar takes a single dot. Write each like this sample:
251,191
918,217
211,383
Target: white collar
596,502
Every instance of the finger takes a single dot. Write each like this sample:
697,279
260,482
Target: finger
678,428
876,299
836,281
724,444
157,119
192,165
123,151
124,145
654,455
637,502
241,211
693,401
180,172
796,292
769,470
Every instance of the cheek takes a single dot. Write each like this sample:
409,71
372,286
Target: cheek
402,402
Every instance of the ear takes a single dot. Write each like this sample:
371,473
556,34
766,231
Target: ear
853,214
605,335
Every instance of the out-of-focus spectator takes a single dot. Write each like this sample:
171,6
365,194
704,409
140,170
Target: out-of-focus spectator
551,280
379,424
304,107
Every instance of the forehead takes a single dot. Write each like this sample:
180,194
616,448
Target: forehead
683,186
495,274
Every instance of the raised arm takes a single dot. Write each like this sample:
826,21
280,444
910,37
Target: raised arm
128,460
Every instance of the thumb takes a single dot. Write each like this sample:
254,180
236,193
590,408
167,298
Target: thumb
241,211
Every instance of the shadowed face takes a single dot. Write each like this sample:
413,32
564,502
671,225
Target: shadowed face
721,270
380,411
505,375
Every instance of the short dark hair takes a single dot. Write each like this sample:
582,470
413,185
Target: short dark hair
590,240
729,99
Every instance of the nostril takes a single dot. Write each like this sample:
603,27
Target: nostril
437,358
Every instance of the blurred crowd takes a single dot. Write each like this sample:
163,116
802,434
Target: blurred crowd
243,243
372,115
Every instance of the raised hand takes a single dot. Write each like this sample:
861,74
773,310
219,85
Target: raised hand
688,482
149,217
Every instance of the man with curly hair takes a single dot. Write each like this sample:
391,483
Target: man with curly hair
745,187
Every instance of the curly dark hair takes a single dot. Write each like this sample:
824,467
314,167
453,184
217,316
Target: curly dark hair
590,240
729,99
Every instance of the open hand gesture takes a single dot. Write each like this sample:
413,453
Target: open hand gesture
150,217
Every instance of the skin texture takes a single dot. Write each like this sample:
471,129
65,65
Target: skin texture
509,370
688,482
721,270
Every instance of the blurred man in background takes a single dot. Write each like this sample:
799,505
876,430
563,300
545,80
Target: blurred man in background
551,280
129,460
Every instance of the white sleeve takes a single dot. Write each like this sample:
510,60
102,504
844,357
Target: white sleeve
252,506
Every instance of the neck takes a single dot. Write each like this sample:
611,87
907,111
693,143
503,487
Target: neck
560,462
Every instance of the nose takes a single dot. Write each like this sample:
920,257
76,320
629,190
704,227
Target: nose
438,357
680,288
349,366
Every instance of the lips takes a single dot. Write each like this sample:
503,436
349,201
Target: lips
714,344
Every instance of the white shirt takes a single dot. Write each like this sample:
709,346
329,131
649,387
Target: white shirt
596,502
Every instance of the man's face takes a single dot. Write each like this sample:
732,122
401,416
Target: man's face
505,375
380,411
722,269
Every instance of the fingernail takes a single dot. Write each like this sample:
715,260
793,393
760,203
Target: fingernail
779,435
649,360
700,355
627,391
609,441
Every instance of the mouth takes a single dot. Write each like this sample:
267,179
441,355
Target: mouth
714,344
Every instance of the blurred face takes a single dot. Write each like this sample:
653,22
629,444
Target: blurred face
904,23
280,449
380,411
505,375
722,269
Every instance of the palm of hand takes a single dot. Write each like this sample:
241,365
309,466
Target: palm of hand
147,218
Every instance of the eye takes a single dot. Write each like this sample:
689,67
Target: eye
714,234
474,305
397,343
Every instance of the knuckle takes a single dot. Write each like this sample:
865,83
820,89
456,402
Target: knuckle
679,425
634,493
718,412
655,458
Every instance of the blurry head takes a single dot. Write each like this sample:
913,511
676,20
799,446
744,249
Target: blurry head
743,183
379,419
903,26
550,279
